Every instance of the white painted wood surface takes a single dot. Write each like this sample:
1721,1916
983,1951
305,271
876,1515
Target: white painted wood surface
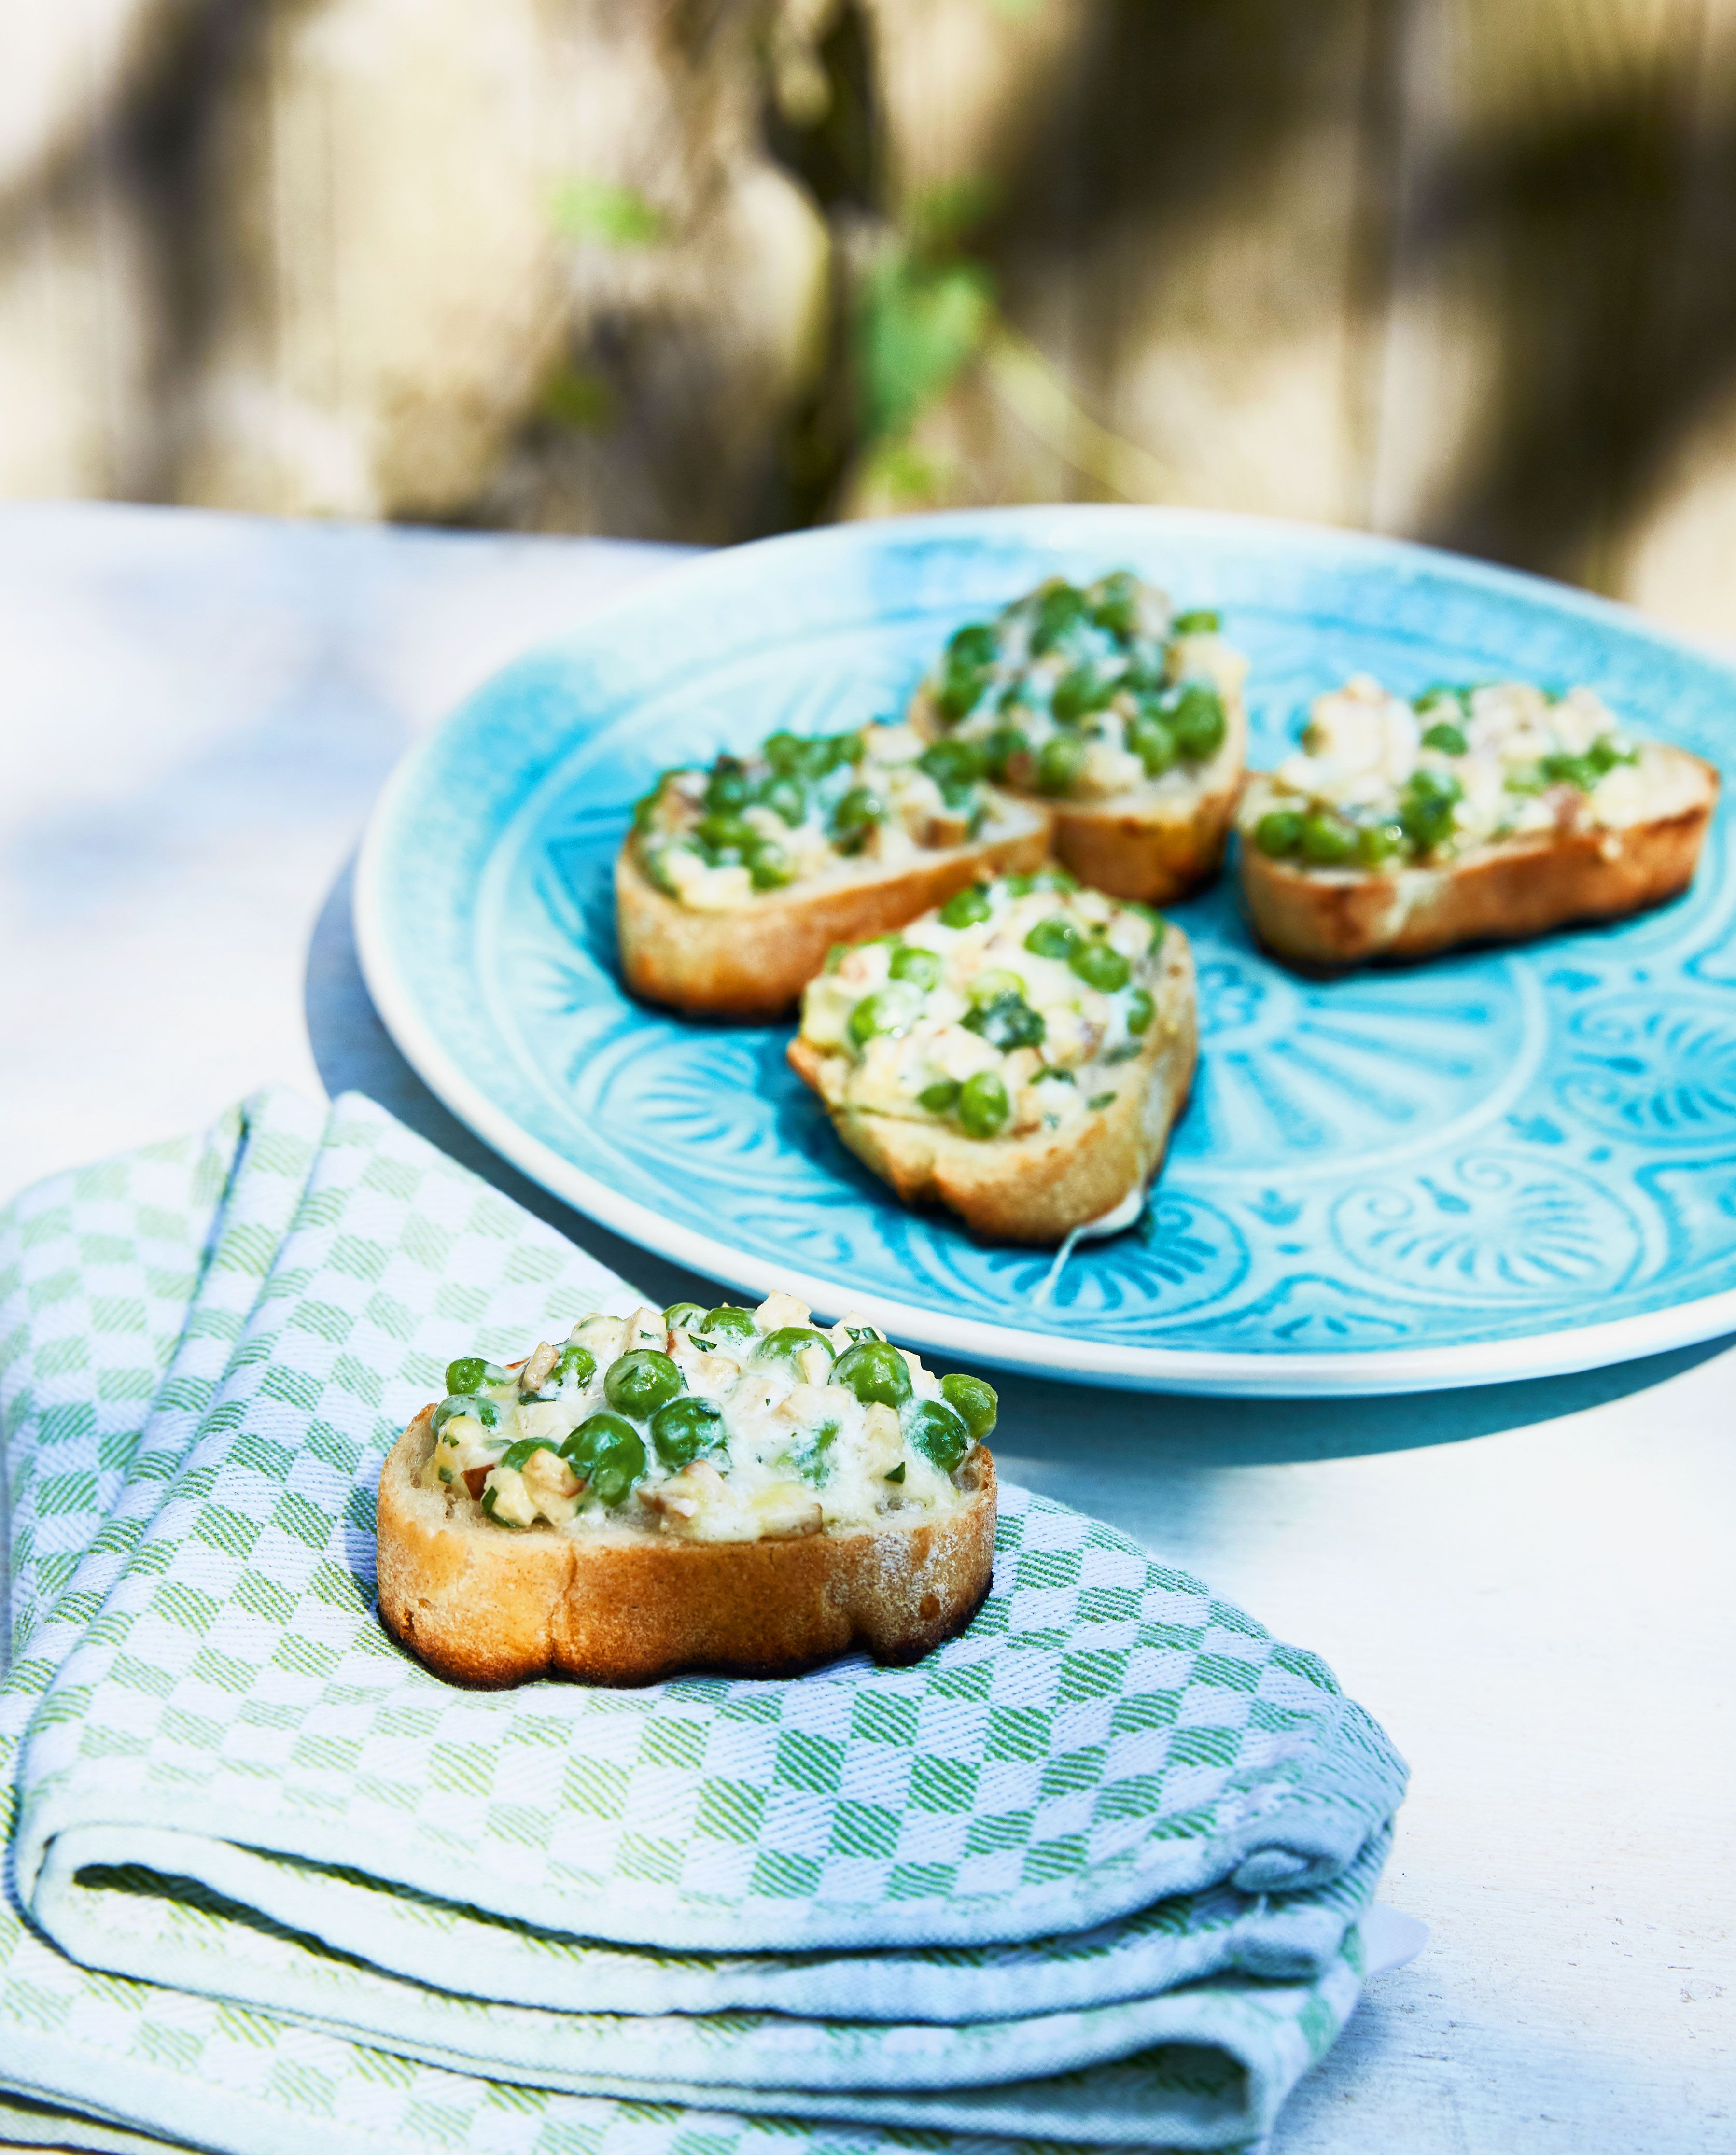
1531,1585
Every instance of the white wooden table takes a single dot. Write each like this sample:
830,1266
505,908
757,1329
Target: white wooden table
1531,1585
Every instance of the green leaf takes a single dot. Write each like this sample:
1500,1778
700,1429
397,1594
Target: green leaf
917,325
600,209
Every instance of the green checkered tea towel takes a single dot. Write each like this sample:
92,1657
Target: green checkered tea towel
231,1788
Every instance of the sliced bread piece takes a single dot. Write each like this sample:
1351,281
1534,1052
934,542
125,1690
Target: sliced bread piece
736,882
1125,718
1486,814
734,1489
1019,1056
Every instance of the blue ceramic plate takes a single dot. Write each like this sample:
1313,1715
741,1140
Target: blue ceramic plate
1503,1164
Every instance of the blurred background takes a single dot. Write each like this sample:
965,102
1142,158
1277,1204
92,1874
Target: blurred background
701,270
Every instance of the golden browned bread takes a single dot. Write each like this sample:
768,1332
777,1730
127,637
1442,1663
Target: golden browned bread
1504,891
1037,1187
481,1604
752,961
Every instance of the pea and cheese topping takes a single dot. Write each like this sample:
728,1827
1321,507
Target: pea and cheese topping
1381,782
721,1424
804,811
1085,693
1005,1011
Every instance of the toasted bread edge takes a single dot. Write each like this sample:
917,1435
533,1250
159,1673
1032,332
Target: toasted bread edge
753,961
484,1606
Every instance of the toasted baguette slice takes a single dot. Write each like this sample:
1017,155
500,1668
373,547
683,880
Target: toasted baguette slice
482,1606
1503,893
753,961
1038,1187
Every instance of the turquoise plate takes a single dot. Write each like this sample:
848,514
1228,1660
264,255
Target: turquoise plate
1503,1163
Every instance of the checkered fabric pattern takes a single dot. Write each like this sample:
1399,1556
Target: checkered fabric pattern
227,1777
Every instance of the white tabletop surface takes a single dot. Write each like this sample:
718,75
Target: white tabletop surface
1531,1585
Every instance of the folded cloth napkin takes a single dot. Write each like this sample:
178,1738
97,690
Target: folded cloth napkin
1093,1872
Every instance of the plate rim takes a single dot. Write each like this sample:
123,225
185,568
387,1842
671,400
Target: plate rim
1197,1371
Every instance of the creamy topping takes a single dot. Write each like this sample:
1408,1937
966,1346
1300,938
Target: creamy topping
803,811
1085,693
725,1425
1380,781
1005,1011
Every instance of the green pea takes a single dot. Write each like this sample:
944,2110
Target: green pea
976,1402
1002,747
939,1434
1426,806
940,1097
1080,693
1447,738
725,834
1006,1021
1376,842
1278,833
467,1375
1152,741
577,1366
728,1322
1141,1011
921,967
977,644
961,690
1326,842
485,1411
983,1104
1578,771
1118,607
886,1012
876,1372
640,1382
786,797
1059,762
687,1429
727,789
858,813
786,753
1098,966
789,1344
768,866
607,1454
965,908
1060,609
684,1316
1052,938
516,1455
1198,722
1198,621
953,763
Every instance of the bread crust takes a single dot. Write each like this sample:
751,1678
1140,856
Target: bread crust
481,1604
753,961
1326,919
1035,1189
